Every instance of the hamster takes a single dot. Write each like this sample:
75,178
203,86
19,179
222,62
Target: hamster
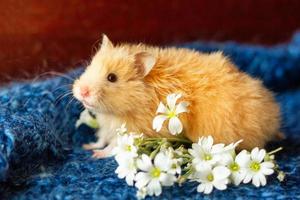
126,82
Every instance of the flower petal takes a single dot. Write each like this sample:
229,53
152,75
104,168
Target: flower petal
201,187
262,179
121,172
267,165
167,179
175,126
267,168
237,178
261,155
256,181
221,172
221,185
141,193
206,143
224,159
162,161
201,174
208,188
254,153
181,107
247,178
194,151
144,163
158,122
171,100
217,148
203,166
142,179
154,187
161,108
258,155
243,158
232,146
129,179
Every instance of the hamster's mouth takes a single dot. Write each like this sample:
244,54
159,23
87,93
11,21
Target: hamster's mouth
87,104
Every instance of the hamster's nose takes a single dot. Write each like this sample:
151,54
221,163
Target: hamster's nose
84,91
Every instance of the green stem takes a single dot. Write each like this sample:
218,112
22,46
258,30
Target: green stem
179,140
153,154
147,143
184,177
185,156
275,151
170,140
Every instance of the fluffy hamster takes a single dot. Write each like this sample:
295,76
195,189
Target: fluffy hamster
126,82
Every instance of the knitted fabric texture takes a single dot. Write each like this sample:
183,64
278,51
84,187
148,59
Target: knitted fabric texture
40,149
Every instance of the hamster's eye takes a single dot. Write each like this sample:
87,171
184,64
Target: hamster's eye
112,77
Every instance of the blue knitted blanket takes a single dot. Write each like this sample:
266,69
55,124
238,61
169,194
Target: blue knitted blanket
40,149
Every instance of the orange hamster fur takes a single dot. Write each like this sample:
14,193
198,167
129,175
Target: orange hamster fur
126,82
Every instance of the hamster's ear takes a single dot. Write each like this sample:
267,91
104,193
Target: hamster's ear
106,43
144,62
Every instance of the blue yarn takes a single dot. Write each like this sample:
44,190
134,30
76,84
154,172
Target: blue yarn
40,149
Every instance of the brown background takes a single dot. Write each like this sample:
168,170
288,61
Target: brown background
38,36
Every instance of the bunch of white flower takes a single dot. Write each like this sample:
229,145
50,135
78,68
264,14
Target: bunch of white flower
150,163
215,166
147,170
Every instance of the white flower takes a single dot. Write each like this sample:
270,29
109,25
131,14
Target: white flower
127,169
122,130
225,154
232,146
171,112
125,147
141,193
257,168
237,167
171,160
204,153
212,177
153,176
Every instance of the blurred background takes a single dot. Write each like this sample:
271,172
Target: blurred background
56,35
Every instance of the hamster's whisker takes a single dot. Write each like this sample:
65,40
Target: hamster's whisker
61,97
68,87
82,108
96,46
105,106
53,73
61,75
69,103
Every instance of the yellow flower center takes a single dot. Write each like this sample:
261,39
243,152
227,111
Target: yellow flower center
210,177
128,147
255,166
171,114
155,172
234,167
207,157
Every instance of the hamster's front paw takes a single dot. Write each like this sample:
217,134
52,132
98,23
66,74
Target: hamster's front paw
94,145
104,153
101,153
